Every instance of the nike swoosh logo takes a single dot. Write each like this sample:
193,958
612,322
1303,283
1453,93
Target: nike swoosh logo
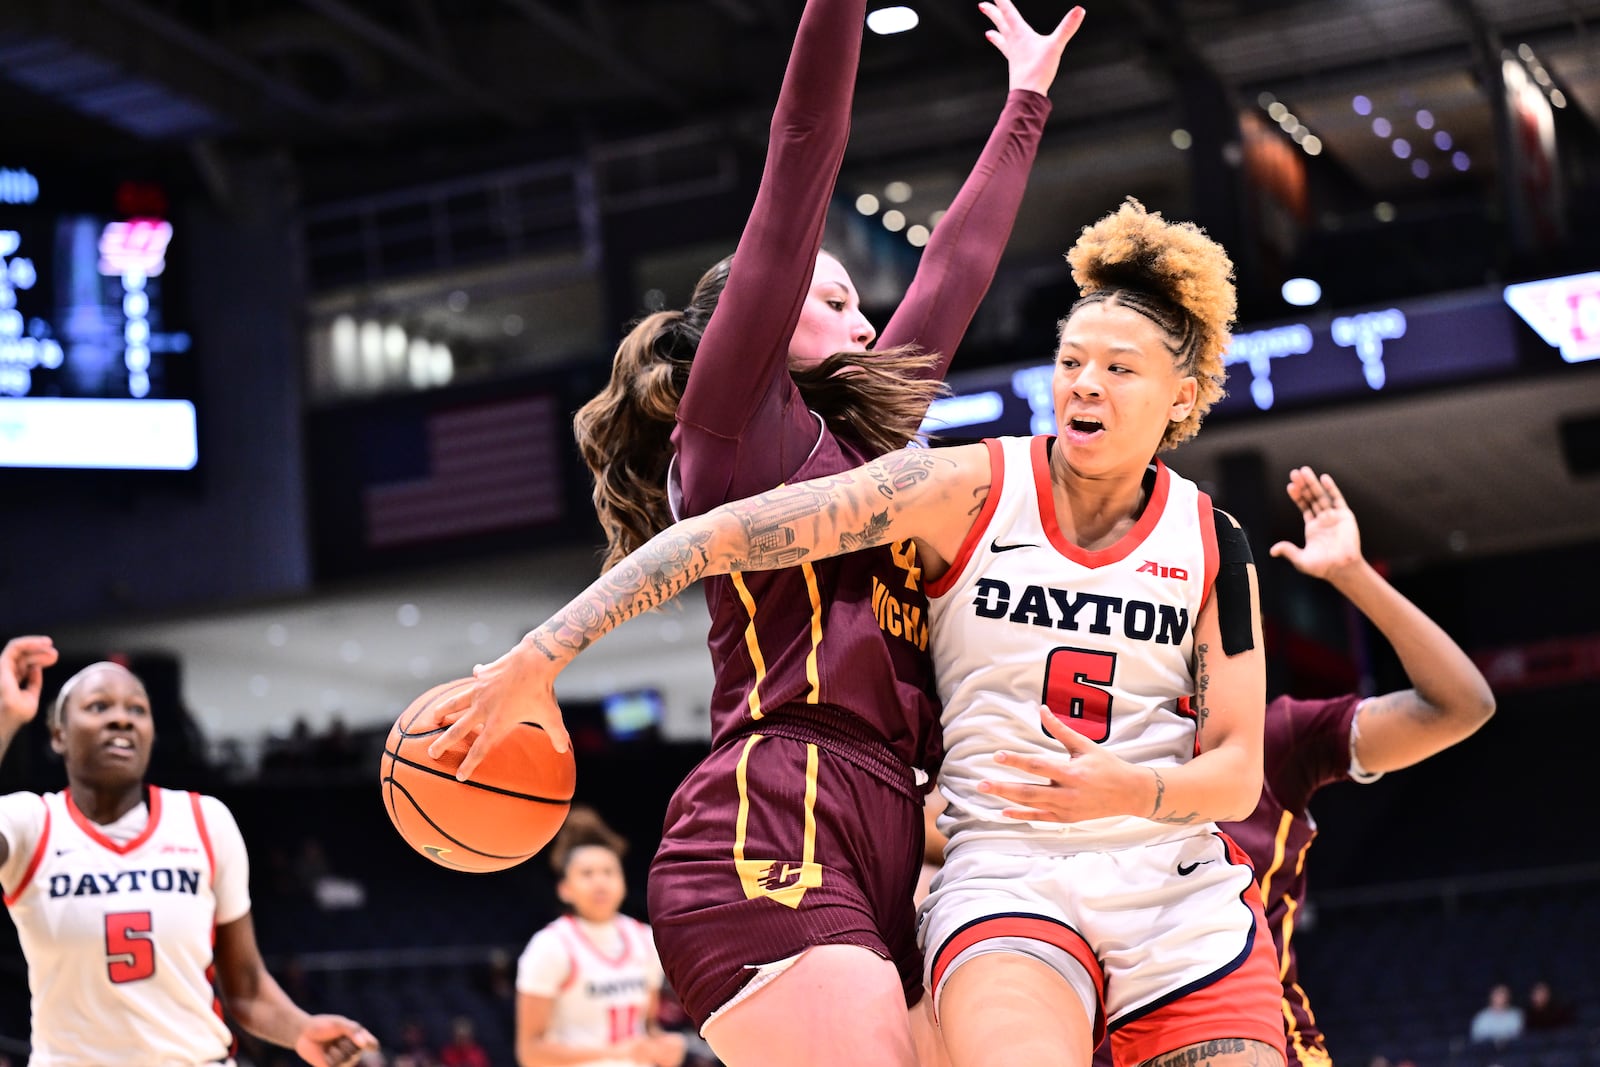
996,546
1186,869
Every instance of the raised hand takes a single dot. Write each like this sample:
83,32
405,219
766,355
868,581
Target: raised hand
1333,540
22,665
1033,57
1084,782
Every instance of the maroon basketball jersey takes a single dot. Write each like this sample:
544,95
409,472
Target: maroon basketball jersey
1307,746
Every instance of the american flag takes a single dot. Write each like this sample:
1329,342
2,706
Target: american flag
488,467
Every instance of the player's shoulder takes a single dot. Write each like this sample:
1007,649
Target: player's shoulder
1300,719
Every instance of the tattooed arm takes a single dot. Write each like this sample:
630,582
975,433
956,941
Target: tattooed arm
921,494
1223,781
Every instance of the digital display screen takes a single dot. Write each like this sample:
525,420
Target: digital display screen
1319,359
93,371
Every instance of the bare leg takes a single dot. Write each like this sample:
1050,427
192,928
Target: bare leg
1224,1052
1006,1010
840,1004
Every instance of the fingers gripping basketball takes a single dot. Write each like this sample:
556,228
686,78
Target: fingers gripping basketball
506,812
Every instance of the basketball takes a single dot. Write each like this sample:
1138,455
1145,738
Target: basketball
505,813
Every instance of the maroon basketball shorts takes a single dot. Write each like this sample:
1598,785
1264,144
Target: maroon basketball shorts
792,835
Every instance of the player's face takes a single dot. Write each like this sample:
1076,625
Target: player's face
593,884
106,730
1116,388
830,319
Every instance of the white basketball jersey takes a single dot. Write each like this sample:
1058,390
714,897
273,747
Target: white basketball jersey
601,997
118,938
1105,638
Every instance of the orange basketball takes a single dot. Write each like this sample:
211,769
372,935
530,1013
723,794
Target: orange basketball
506,812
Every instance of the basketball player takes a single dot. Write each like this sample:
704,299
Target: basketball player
1312,743
764,379
589,984
1080,573
128,898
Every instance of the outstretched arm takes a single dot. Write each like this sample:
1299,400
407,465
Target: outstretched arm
914,493
960,259
739,382
1449,699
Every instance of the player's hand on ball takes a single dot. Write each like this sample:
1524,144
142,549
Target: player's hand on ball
22,665
333,1041
1086,782
518,687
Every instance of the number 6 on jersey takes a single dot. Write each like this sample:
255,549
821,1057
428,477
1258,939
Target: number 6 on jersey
1071,680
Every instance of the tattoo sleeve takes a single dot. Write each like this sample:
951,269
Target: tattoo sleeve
782,528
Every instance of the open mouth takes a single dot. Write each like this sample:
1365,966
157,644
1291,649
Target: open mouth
1081,426
122,746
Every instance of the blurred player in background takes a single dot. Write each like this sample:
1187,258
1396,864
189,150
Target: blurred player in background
129,898
589,984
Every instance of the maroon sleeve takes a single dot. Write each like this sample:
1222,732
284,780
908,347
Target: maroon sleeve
1307,746
742,427
960,260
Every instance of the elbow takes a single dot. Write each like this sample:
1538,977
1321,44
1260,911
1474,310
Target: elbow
1479,708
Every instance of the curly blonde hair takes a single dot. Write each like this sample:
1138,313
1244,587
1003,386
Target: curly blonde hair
1174,275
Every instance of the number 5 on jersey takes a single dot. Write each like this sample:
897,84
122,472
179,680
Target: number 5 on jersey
130,946
1072,677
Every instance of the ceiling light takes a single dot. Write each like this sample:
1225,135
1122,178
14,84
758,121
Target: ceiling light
917,235
1265,99
1401,147
1558,98
1441,141
1182,140
1420,168
891,20
1460,161
457,301
1301,292
277,635
1312,145
1425,119
1541,76
897,192
1525,51
1362,105
408,615
1381,127
1277,111
933,219
867,204
1383,211
894,221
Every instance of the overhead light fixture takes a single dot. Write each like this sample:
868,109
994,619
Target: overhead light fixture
1182,139
1301,292
1361,105
897,192
894,221
891,20
1381,126
867,204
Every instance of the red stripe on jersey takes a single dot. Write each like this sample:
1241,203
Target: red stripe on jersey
1208,539
1125,545
583,938
997,479
205,837
93,831
1034,929
572,958
33,864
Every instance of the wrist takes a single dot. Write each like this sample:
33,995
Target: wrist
1350,574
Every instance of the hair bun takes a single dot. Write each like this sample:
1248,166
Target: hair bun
1175,261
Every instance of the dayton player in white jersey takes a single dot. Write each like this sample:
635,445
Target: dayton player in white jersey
130,899
589,984
1107,845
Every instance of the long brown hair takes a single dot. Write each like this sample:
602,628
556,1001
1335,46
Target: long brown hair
877,398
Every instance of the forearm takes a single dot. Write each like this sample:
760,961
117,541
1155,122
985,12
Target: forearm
1443,675
266,1011
961,257
1220,785
8,733
742,358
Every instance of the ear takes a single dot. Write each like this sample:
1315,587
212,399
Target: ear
58,743
1187,395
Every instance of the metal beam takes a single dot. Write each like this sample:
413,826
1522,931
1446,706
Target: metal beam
399,48
614,62
222,58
